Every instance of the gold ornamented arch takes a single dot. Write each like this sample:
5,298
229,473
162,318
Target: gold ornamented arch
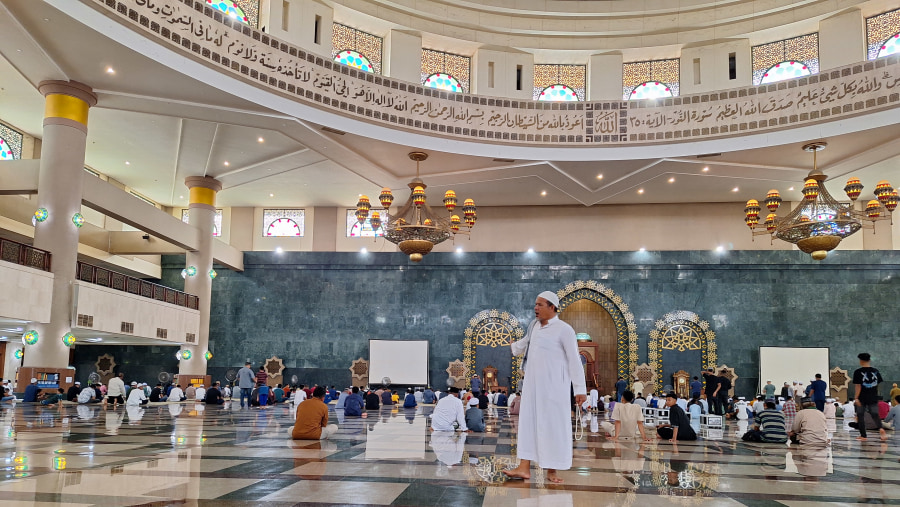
492,328
681,330
626,328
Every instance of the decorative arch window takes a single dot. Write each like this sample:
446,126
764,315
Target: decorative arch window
356,48
883,34
364,230
10,143
445,71
559,82
786,59
651,90
231,9
283,223
651,79
443,81
217,223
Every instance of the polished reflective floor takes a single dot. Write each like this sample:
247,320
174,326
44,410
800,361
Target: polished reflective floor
186,454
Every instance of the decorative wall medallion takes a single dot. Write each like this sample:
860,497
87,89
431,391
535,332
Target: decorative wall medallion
105,364
457,373
626,328
647,375
492,328
274,367
730,375
680,330
838,379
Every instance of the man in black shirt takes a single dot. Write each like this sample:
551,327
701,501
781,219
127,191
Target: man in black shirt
372,402
866,380
722,390
156,394
73,392
214,395
482,401
712,382
679,427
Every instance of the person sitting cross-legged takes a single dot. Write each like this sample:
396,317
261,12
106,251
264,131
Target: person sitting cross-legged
679,427
312,418
770,426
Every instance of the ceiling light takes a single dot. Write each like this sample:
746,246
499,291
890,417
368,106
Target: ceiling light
706,169
226,163
279,250
459,250
530,250
544,192
599,176
181,197
110,70
671,180
720,249
261,140
735,189
271,195
791,189
640,190
127,163
363,250
642,249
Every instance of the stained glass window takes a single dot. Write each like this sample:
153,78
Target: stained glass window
364,230
651,79
786,59
559,82
217,223
10,143
283,222
883,34
445,71
230,8
356,48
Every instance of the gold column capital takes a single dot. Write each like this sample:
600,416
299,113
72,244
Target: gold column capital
67,103
203,191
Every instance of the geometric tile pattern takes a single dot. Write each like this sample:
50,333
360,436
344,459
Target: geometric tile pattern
681,330
190,454
879,29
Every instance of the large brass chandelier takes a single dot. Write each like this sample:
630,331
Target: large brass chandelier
415,228
819,222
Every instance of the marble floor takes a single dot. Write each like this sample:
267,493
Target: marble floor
186,454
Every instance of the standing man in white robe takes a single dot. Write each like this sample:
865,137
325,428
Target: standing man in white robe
552,365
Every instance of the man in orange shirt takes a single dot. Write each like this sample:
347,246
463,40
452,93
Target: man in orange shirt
312,418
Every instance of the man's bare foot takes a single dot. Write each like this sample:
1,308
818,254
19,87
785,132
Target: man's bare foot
884,435
515,473
862,439
553,477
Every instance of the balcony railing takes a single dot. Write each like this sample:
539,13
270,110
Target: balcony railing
26,255
118,281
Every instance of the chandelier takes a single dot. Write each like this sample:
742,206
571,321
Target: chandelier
819,222
415,228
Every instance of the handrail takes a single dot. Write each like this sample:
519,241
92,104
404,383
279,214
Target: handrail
25,255
119,281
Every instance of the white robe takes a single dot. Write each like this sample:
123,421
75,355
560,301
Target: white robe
545,420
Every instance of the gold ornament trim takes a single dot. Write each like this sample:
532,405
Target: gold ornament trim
492,328
662,338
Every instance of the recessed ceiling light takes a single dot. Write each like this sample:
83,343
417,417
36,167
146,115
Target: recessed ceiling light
226,163
530,250
640,190
791,189
110,70
544,192
459,250
706,169
720,248
642,249
279,250
260,140
599,176
181,197
127,163
735,189
671,180
363,250
271,195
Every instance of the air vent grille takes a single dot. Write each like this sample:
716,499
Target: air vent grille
85,320
162,333
128,327
190,338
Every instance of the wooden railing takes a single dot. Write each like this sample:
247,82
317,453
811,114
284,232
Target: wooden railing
119,281
26,255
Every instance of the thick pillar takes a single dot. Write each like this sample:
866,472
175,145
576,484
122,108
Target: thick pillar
202,215
59,192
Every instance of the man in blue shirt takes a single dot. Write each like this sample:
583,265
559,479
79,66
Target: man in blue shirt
31,392
246,381
353,405
621,386
501,399
696,387
428,396
816,391
476,385
342,400
410,400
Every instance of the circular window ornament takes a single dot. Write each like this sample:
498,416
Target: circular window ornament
785,70
650,90
443,81
558,93
354,59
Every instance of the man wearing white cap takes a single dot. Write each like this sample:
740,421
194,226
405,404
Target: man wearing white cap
115,390
200,393
31,392
551,365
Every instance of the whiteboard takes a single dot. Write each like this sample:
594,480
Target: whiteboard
404,362
790,364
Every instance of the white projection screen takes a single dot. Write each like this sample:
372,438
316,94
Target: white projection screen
792,364
404,362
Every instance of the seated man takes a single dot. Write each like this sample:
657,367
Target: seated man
278,392
890,422
770,425
474,416
31,392
136,398
200,393
810,426
176,394
312,418
156,394
53,399
386,398
372,402
7,394
428,396
629,418
88,395
679,427
449,411
410,400
214,395
501,399
353,405
514,404
72,393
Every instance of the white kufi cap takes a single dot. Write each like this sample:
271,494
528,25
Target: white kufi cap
551,297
